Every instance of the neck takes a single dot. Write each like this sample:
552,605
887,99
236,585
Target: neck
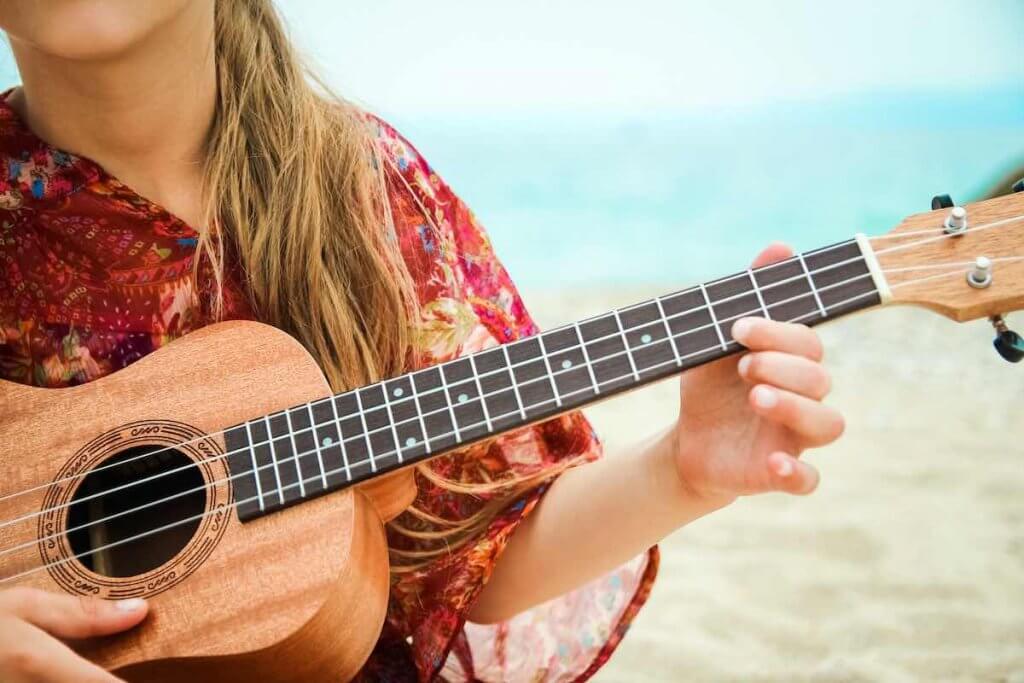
143,114
297,454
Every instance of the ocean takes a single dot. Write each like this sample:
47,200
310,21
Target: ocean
585,200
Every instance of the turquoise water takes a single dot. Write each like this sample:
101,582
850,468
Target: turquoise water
587,201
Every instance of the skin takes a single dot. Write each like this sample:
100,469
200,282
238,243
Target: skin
132,85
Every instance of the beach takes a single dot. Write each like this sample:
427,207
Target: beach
907,564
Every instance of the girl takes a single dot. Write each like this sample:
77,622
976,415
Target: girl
170,164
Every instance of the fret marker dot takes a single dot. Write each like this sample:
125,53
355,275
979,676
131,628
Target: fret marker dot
410,442
566,364
646,339
328,441
463,398
397,392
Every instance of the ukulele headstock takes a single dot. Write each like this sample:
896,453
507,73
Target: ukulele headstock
931,260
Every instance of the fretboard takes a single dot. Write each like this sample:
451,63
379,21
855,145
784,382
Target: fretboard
341,440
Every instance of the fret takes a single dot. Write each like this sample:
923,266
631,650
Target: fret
551,376
283,450
732,298
842,278
448,402
273,457
419,415
817,297
406,418
328,436
306,451
242,466
531,375
571,372
714,319
383,446
629,356
295,454
480,393
605,345
394,428
786,290
266,464
757,291
255,467
355,441
498,389
438,417
316,445
366,432
515,387
464,397
694,331
646,335
586,357
668,332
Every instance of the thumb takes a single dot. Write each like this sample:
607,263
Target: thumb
68,616
790,475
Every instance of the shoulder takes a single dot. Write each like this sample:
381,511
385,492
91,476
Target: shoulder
408,171
32,170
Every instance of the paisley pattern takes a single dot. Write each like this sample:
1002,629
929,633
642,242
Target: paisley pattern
94,277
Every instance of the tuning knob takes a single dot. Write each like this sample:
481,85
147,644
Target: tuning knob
1008,343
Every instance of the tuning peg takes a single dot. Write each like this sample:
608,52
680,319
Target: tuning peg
942,201
1008,343
1018,186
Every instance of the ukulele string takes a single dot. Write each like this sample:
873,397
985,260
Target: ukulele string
945,235
676,359
695,309
960,265
336,422
237,503
926,231
744,274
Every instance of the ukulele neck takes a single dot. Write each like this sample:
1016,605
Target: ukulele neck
306,451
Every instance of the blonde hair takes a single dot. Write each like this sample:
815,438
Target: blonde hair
295,185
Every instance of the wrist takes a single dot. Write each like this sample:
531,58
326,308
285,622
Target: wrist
673,483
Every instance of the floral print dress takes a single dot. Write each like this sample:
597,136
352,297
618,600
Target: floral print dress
93,277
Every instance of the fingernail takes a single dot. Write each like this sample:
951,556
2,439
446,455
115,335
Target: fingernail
784,468
132,605
765,397
741,328
744,365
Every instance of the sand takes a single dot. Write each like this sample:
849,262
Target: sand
907,564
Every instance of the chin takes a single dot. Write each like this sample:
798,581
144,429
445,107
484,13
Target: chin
88,29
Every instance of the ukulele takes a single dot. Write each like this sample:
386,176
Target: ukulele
198,478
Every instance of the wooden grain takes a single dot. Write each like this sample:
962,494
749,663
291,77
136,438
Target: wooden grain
299,595
950,295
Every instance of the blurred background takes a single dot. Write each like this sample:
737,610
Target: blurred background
696,128
618,150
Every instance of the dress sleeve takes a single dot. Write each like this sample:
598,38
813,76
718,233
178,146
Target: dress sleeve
468,303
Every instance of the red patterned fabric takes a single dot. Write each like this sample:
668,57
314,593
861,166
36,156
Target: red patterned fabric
94,277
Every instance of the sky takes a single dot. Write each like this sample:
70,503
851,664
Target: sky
451,57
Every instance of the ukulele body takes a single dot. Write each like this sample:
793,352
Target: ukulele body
297,595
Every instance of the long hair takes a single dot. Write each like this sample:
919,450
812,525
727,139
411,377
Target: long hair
295,185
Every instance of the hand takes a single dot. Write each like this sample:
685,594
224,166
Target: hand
32,621
744,421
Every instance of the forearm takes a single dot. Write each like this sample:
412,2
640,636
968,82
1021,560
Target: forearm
594,518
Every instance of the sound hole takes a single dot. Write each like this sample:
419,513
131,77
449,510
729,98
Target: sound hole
107,532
